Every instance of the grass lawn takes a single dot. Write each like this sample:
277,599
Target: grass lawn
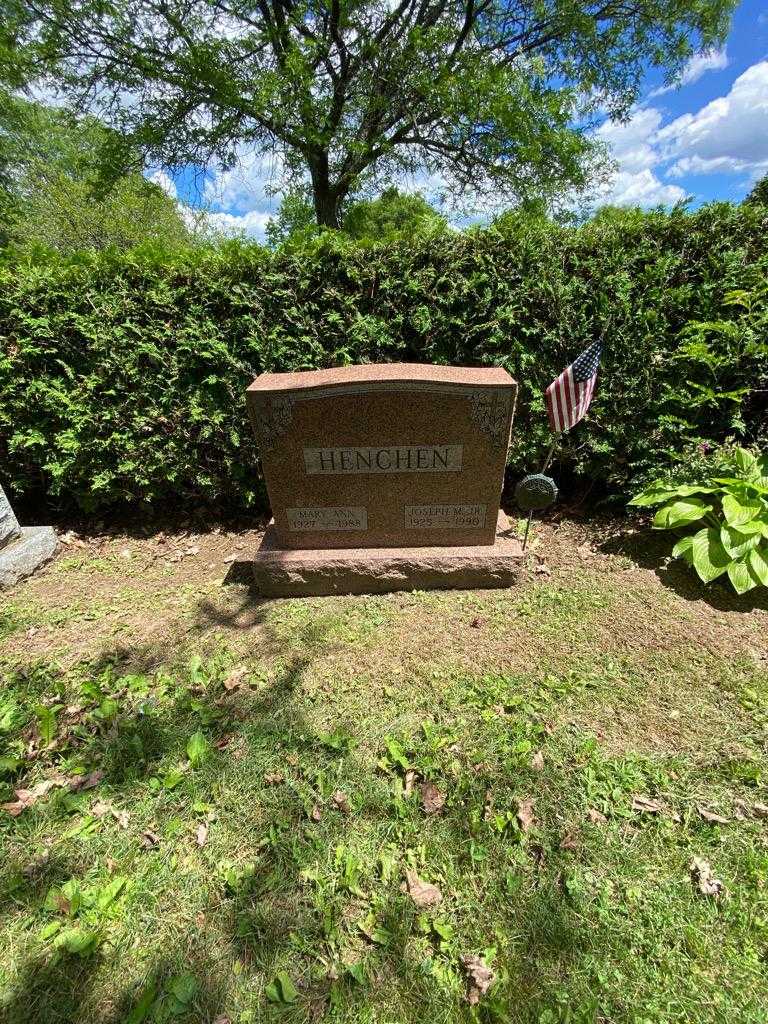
306,809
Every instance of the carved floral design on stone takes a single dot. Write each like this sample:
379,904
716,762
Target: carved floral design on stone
272,419
490,413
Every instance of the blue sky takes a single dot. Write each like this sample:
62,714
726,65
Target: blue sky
706,139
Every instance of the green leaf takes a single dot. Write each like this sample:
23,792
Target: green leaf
197,748
710,559
738,543
9,765
686,510
654,495
757,560
141,1009
172,778
759,484
738,508
741,577
683,549
282,989
46,722
109,893
357,971
746,462
78,941
73,893
184,987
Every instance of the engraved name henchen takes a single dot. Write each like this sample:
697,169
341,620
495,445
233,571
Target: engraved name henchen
408,458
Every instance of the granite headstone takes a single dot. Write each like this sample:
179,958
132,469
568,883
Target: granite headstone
364,459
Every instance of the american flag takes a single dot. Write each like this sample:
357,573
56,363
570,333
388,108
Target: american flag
568,397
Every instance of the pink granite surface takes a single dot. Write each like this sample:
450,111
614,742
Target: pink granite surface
284,573
476,376
398,415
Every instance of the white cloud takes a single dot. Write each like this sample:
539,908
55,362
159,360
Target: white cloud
641,188
166,183
709,60
247,186
728,135
632,146
250,225
631,142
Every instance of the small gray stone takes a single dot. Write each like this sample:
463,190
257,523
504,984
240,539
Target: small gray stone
22,556
9,524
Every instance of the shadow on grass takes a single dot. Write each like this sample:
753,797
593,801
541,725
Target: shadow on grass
282,912
57,990
651,550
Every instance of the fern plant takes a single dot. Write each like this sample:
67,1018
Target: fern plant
724,521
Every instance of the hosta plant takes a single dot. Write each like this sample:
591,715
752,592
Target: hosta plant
724,521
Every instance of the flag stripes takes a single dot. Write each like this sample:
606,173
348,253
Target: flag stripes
567,398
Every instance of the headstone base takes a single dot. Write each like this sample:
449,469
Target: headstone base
280,572
21,557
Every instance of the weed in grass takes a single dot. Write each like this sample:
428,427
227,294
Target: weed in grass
298,740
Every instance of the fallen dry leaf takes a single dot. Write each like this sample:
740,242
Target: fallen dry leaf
316,813
480,977
122,818
341,802
27,797
488,805
273,778
432,800
706,882
201,835
537,761
477,622
646,805
89,781
236,678
14,807
570,840
525,813
102,807
149,840
423,894
410,778
760,810
711,816
37,864
595,816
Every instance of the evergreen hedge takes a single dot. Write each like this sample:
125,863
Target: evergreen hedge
122,375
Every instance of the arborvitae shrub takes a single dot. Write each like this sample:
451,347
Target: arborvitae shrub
122,375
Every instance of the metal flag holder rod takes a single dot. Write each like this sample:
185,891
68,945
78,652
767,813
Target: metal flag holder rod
542,471
536,491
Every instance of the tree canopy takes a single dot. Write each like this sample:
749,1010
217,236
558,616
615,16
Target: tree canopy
54,193
494,96
391,215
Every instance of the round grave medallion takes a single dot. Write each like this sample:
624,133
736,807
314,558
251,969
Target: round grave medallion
535,491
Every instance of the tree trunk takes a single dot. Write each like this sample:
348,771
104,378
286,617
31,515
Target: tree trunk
327,201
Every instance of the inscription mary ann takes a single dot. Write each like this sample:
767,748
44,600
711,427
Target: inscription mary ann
411,458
